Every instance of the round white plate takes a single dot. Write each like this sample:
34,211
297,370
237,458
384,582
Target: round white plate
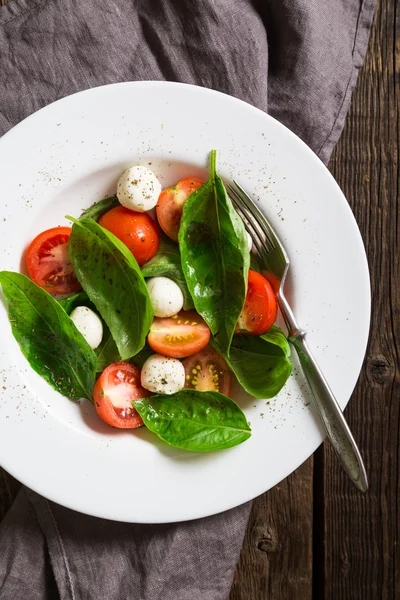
69,155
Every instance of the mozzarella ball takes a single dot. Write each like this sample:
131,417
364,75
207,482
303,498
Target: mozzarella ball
89,324
165,295
163,375
138,189
249,241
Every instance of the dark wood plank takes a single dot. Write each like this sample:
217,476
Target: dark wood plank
355,543
276,559
361,534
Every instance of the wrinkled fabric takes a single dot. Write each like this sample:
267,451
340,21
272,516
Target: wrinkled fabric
296,59
99,559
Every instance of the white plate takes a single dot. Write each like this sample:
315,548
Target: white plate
70,154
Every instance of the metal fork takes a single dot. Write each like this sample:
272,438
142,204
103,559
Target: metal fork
276,261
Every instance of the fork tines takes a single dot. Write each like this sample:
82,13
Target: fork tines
263,234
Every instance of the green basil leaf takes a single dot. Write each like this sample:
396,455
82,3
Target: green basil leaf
193,420
48,338
276,337
167,263
261,364
255,263
107,353
140,358
112,279
98,209
215,257
78,299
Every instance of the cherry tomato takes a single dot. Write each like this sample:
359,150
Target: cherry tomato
260,307
274,281
207,371
182,335
170,205
48,262
138,231
113,393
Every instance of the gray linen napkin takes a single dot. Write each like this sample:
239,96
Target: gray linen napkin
299,60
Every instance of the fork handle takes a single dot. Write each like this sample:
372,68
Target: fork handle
331,415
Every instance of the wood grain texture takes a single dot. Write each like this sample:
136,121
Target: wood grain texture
276,559
355,538
361,534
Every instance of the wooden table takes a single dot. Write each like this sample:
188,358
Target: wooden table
314,537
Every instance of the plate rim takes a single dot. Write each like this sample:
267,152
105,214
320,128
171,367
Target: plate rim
311,156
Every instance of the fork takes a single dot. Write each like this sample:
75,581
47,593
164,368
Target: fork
276,261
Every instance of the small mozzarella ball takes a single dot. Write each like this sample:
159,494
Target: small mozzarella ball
165,295
138,189
249,241
89,324
163,375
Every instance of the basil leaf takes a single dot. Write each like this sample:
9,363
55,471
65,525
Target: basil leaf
193,420
98,209
112,279
276,336
140,358
261,364
107,353
48,338
167,263
78,299
215,257
255,263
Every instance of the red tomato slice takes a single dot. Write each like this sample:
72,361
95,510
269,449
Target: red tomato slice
182,335
274,281
48,262
138,231
207,371
170,205
260,307
113,393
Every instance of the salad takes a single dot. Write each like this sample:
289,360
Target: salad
152,318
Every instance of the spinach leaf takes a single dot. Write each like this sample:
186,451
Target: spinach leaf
48,338
167,263
215,257
261,364
98,209
112,279
193,420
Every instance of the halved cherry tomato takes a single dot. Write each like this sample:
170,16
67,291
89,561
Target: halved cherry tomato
182,335
207,371
113,393
138,231
260,307
48,262
274,281
170,205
